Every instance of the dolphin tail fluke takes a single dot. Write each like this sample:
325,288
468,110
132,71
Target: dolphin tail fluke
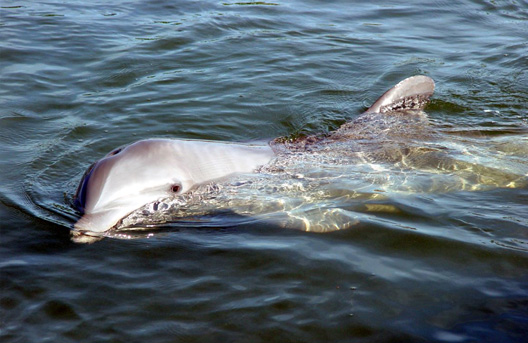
410,94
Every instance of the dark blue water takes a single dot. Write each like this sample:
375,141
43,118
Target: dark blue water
78,79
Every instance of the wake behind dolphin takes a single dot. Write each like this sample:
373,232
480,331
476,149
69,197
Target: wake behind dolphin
287,181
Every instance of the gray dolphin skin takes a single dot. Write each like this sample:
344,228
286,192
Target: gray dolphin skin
159,180
146,170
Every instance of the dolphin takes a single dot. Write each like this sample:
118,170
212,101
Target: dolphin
128,178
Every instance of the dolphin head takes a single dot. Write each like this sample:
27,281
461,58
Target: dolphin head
126,179
145,171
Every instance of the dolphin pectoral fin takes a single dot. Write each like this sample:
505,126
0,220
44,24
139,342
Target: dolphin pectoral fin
410,94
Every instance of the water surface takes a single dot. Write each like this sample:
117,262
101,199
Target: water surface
79,79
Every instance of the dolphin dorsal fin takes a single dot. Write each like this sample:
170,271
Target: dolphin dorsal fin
410,94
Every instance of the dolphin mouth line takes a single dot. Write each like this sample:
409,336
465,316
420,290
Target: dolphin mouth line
82,236
128,232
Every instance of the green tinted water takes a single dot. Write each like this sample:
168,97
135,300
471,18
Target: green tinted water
79,79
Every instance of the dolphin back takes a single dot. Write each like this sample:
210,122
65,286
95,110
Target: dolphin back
413,93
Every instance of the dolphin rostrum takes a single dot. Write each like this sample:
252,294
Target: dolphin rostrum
145,171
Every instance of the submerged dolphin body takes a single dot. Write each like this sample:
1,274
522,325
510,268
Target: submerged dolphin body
151,181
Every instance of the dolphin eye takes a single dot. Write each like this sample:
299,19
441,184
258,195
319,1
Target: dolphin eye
175,188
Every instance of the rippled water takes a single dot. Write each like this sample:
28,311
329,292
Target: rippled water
81,78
